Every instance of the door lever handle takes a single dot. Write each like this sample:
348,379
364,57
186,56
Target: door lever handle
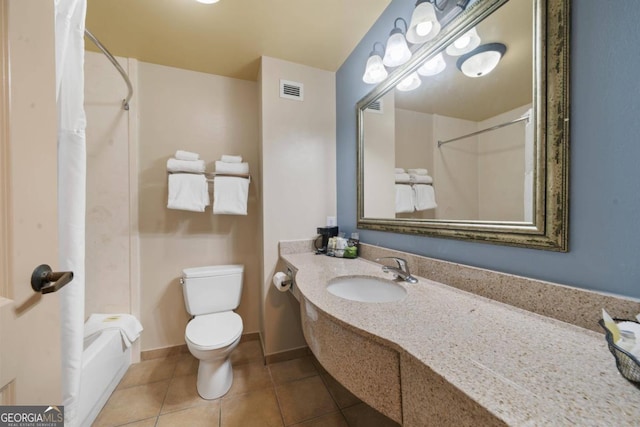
45,281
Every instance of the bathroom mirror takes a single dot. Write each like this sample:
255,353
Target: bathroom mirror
495,146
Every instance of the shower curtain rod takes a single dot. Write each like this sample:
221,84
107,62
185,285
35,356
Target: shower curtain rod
440,143
125,102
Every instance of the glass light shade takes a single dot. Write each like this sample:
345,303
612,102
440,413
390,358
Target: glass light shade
207,1
433,66
482,60
465,43
424,24
409,83
397,52
374,71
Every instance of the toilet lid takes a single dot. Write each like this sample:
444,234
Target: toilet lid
216,330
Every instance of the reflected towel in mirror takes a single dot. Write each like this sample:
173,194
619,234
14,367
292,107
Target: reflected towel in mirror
405,198
425,197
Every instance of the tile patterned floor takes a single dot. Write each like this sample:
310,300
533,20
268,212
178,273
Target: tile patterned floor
162,393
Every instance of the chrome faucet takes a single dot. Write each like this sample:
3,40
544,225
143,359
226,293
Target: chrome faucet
401,271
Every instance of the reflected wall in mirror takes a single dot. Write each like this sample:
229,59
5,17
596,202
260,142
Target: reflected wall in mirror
482,158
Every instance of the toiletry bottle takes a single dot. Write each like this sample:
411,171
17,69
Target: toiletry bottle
354,241
331,246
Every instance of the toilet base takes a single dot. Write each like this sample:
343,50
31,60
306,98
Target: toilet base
214,378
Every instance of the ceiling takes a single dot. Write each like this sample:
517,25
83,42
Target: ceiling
228,38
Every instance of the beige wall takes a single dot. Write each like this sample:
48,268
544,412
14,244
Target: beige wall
455,169
414,149
211,115
380,160
501,164
298,153
414,139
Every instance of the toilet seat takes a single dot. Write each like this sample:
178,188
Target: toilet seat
213,331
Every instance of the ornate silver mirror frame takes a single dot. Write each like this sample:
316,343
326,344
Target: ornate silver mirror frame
549,230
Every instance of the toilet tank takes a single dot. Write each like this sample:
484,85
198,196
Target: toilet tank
212,289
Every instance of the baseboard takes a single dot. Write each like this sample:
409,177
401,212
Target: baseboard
287,355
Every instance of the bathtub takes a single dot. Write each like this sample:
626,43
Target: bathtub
105,360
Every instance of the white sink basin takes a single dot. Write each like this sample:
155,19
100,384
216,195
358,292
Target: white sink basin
366,289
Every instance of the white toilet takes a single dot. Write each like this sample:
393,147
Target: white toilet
210,295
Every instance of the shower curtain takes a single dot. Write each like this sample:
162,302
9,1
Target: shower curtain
69,45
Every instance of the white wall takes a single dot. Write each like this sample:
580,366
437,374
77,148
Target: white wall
211,115
298,153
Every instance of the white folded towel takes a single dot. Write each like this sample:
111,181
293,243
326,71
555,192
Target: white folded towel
187,155
232,168
230,195
425,197
417,171
421,179
405,198
192,166
403,178
231,159
399,170
188,192
129,326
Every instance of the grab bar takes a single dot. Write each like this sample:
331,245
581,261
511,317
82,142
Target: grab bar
125,102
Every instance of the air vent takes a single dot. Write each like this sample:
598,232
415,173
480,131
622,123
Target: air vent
375,106
291,90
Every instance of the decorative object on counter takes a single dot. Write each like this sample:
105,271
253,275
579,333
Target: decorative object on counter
230,193
621,338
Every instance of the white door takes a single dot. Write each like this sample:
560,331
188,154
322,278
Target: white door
29,322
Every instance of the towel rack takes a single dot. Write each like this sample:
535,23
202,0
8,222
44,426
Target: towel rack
526,117
211,176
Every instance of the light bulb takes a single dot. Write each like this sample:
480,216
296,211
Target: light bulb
374,71
409,83
424,23
464,44
423,28
433,66
397,52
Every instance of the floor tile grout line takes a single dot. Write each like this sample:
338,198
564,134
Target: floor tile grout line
275,391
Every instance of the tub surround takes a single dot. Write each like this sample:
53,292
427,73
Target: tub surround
496,363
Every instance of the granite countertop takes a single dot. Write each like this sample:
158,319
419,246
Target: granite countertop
525,368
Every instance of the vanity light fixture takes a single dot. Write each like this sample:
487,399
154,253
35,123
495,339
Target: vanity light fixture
433,66
424,23
207,1
411,82
465,43
375,72
397,52
482,60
